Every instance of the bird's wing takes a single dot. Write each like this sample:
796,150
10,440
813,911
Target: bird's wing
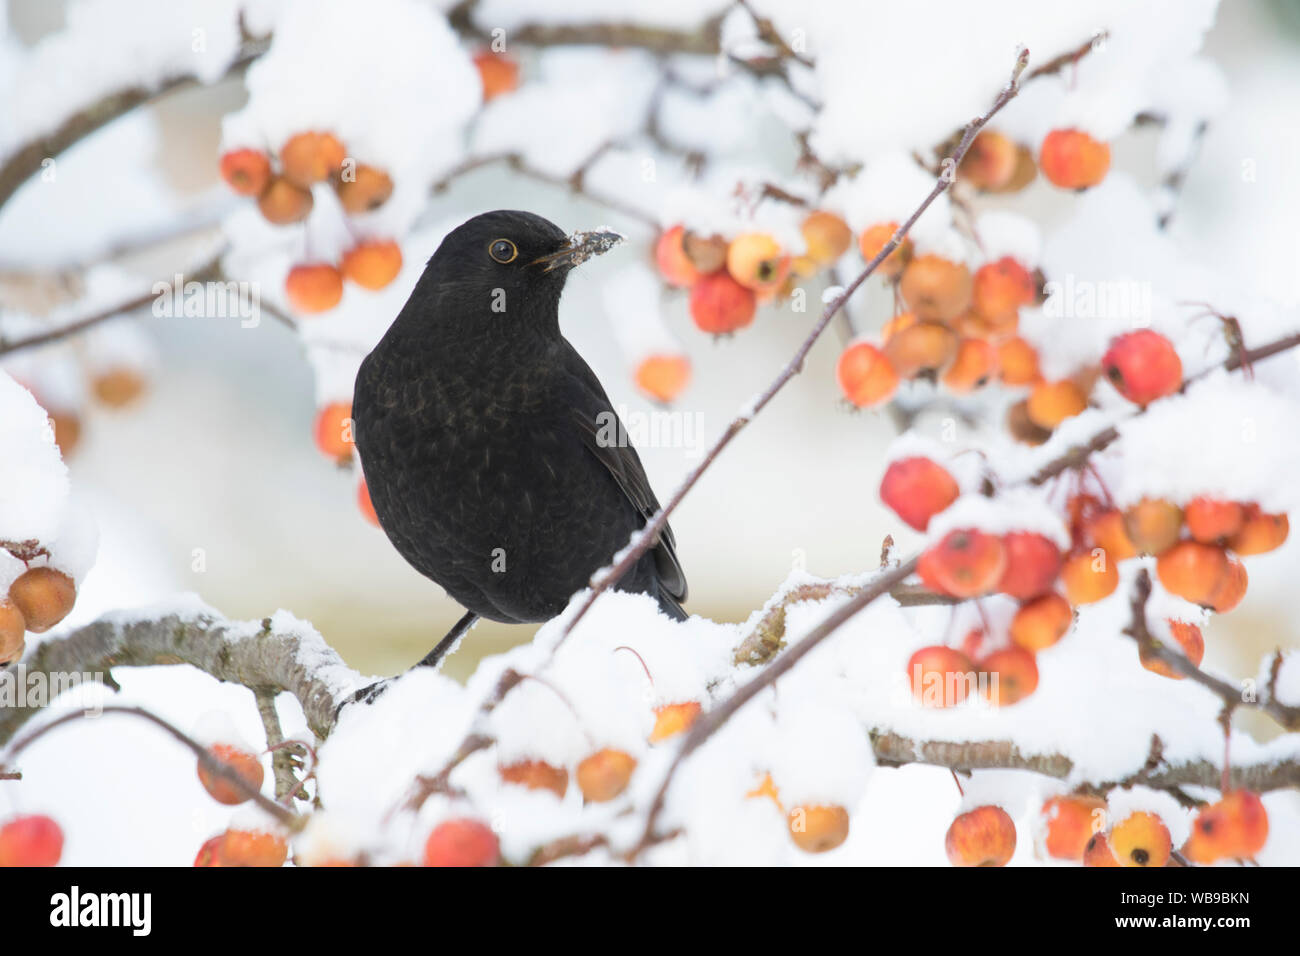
603,433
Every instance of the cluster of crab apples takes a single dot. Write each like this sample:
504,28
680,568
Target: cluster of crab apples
38,599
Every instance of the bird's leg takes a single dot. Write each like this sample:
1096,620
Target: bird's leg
371,692
444,646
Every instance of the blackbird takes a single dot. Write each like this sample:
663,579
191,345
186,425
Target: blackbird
494,460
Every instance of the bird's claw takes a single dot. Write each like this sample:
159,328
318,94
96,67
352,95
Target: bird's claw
366,695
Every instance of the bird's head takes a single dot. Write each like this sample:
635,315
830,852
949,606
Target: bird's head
504,261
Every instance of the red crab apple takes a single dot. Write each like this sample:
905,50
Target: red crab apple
1097,852
1040,623
975,363
865,376
462,842
985,836
246,765
314,287
498,72
917,489
246,171
721,305
1212,520
1069,825
1193,571
1188,636
32,840
990,162
1235,827
969,562
670,256
1260,533
1072,159
940,676
1033,563
1002,286
875,238
1142,366
333,431
1089,576
1008,676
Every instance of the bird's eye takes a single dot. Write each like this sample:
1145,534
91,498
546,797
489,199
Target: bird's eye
502,250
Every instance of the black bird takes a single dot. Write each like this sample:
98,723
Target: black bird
493,457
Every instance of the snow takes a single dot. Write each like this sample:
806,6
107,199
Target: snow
1015,509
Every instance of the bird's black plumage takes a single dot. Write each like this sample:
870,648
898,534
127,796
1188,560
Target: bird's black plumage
494,460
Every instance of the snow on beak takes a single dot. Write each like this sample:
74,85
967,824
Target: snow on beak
580,247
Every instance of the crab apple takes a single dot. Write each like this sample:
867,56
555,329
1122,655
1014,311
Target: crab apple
67,431
1002,286
32,840
283,203
1040,623
896,324
974,364
12,628
866,378
1107,530
311,157
249,848
315,287
721,305
1235,827
992,328
367,188
755,260
117,387
373,264
985,836
1140,839
1017,362
605,774
663,377
536,775
210,852
674,264
1070,822
875,238
333,431
817,828
1012,675
920,347
1153,525
1033,562
990,161
969,562
1142,366
246,171
43,596
1072,159
673,719
936,288
499,74
365,505
940,676
707,253
1188,636
917,489
1260,533
826,236
1097,851
1213,521
927,571
1025,172
1022,428
462,842
1231,589
245,765
1089,576
1050,403
1192,570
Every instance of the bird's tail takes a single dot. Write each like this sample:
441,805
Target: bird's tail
668,604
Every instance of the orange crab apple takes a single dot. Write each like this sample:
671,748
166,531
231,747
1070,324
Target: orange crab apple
1070,822
365,505
1022,428
1017,362
1040,623
816,828
917,489
246,767
755,260
1188,636
333,431
969,562
865,375
43,596
462,842
118,386
31,840
1008,676
367,188
940,676
1051,403
12,631
673,719
920,347
826,236
1193,571
1033,563
975,363
720,305
605,774
1089,576
282,202
536,775
874,238
314,287
936,288
1072,159
990,162
1153,525
311,157
1107,530
1097,852
1143,366
663,377
498,72
238,847
1140,839
1260,533
372,264
1212,520
1002,286
1235,827
985,836
670,256
246,171
1231,589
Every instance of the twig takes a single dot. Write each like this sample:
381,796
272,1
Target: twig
281,759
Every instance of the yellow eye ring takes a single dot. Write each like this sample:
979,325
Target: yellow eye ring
503,251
